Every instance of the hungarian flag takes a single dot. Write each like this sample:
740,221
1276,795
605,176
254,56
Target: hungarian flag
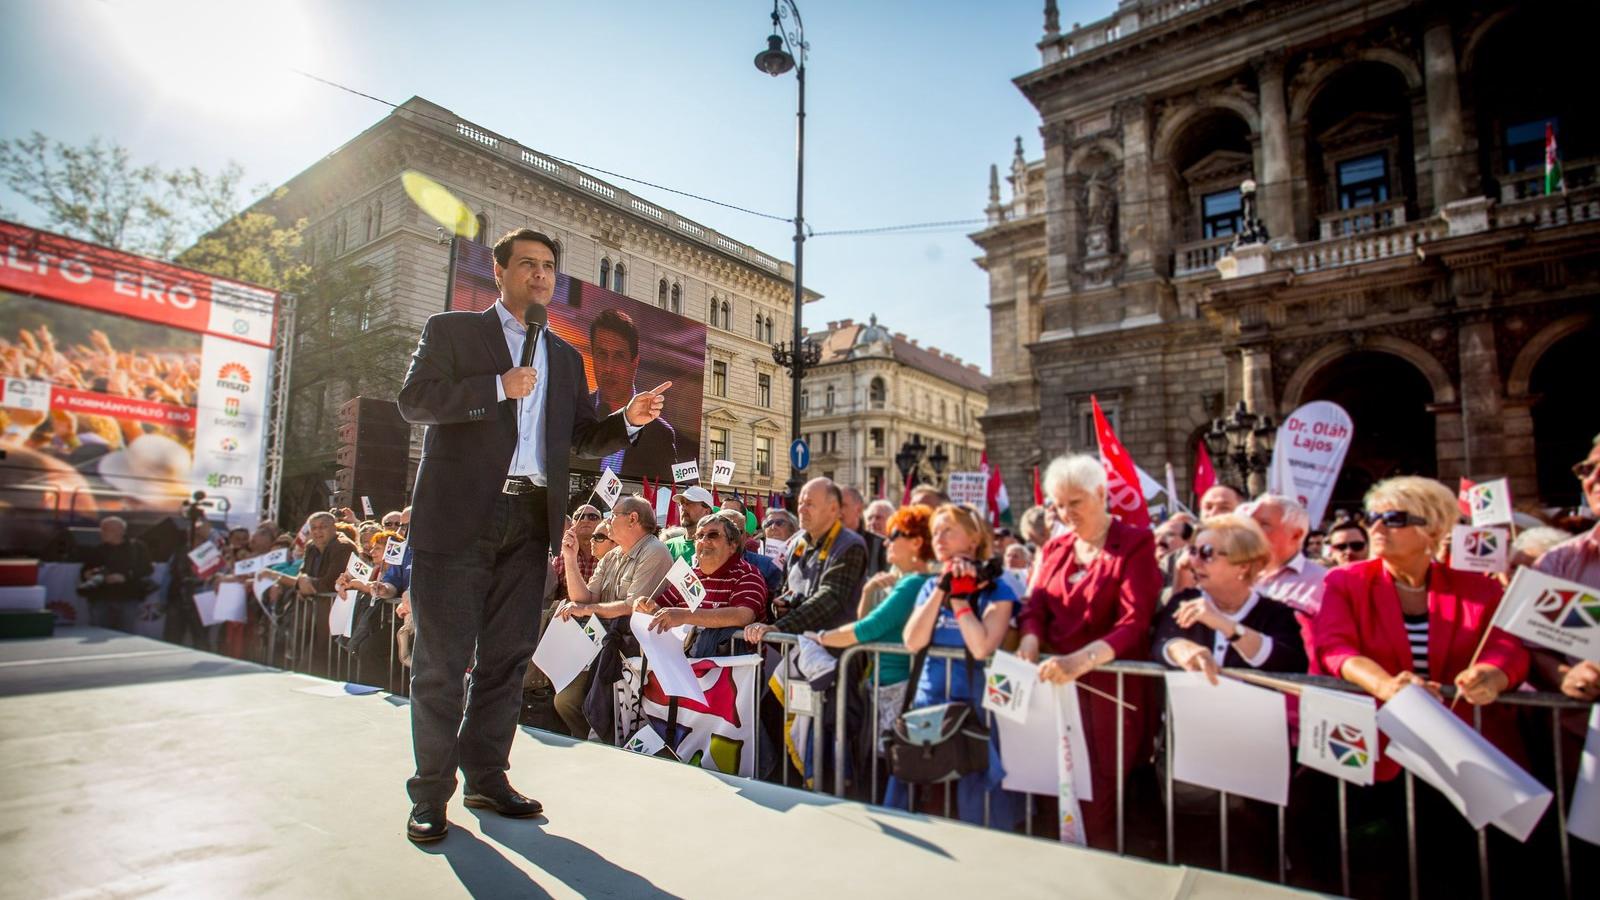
1205,475
994,494
1553,180
1038,489
1124,496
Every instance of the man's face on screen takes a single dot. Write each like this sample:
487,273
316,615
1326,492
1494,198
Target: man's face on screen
613,368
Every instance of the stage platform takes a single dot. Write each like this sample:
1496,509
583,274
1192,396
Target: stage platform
135,768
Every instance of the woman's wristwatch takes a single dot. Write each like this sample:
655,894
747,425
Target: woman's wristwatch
1238,632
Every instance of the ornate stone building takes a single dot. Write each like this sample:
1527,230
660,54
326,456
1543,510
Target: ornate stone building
875,390
1417,273
360,216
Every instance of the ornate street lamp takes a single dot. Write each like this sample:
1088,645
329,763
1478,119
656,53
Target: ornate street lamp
1251,229
786,50
1241,445
909,458
938,459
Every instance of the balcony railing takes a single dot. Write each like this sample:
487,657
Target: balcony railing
1200,256
1362,247
1565,208
1362,219
1577,173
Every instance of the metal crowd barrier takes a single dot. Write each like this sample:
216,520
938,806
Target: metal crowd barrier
1555,704
293,623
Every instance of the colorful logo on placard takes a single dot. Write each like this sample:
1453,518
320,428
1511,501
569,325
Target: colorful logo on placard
1569,609
1481,543
234,377
1348,746
1001,690
222,480
636,744
227,445
1482,499
230,406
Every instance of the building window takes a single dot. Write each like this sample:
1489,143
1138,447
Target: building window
377,218
828,403
875,441
727,316
805,401
677,299
769,329
483,229
1363,181
718,443
758,324
367,224
764,389
661,294
339,238
366,309
1525,144
878,393
711,317
619,279
1220,213
763,456
605,273
719,378
944,411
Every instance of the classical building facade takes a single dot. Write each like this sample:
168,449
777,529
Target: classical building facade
360,217
876,390
1416,271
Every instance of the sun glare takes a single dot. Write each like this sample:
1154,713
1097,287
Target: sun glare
220,57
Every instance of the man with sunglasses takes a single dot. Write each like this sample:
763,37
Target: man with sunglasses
1347,542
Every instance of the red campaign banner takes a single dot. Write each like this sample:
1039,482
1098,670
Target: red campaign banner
129,408
70,271
1124,496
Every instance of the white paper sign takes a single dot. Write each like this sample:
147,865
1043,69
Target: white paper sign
1552,612
1481,781
664,652
1229,736
647,742
1007,686
249,566
20,393
1308,454
971,488
1069,813
342,615
663,501
609,489
261,585
394,552
366,507
360,570
231,603
688,584
1474,549
1029,751
1339,734
1583,821
774,549
206,558
565,650
721,471
275,557
686,471
1490,502
206,603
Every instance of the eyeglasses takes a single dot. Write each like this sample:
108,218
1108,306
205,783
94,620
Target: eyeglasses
587,517
1394,518
708,536
597,538
1584,469
895,535
1204,552
1349,546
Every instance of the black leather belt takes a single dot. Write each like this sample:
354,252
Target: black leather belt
518,485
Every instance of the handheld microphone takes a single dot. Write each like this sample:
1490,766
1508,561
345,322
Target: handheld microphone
537,317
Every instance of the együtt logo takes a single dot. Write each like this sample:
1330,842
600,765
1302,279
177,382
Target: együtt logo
1348,746
1481,543
1482,499
227,445
1569,609
234,377
1000,690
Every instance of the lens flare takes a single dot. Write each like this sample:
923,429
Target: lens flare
442,206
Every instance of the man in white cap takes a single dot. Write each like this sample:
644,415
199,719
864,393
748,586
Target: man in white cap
694,504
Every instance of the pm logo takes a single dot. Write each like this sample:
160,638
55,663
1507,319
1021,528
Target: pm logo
222,480
234,377
1348,746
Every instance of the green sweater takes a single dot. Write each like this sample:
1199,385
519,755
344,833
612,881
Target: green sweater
886,623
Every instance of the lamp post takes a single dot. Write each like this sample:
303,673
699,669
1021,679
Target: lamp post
938,459
1242,444
787,50
909,459
1251,229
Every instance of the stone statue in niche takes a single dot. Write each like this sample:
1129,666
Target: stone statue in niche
1100,213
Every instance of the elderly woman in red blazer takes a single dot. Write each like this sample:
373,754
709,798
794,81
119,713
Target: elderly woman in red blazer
1403,618
1093,594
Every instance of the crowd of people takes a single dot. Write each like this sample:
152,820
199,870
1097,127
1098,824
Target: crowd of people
1247,583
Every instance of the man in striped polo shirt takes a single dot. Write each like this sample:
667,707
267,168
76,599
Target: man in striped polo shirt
736,594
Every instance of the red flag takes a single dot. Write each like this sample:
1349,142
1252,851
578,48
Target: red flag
905,499
716,498
1038,489
1205,475
1124,497
1462,500
672,513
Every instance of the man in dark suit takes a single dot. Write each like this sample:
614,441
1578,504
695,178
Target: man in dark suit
505,404
614,347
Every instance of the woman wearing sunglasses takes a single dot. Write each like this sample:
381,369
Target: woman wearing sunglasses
1224,622
1404,618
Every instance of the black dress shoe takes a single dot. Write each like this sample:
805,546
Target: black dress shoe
426,823
505,801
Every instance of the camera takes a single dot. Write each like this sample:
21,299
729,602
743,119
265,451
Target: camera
192,510
989,571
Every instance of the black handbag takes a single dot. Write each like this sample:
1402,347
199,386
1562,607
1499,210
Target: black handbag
940,743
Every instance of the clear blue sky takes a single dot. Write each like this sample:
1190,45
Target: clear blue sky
908,103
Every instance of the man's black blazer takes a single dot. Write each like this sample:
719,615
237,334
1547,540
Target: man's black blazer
467,449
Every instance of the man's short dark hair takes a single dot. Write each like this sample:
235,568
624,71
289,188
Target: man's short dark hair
619,323
502,247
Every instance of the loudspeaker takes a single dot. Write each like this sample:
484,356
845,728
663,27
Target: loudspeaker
374,448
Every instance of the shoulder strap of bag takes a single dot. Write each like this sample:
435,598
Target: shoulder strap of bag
915,678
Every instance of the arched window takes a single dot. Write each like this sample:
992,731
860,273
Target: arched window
758,324
558,254
769,329
366,224
483,229
828,401
711,316
727,316
944,412
377,218
605,272
677,299
878,393
619,278
805,399
339,238
661,294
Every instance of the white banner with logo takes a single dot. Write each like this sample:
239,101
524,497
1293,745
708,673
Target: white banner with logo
1308,454
230,423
